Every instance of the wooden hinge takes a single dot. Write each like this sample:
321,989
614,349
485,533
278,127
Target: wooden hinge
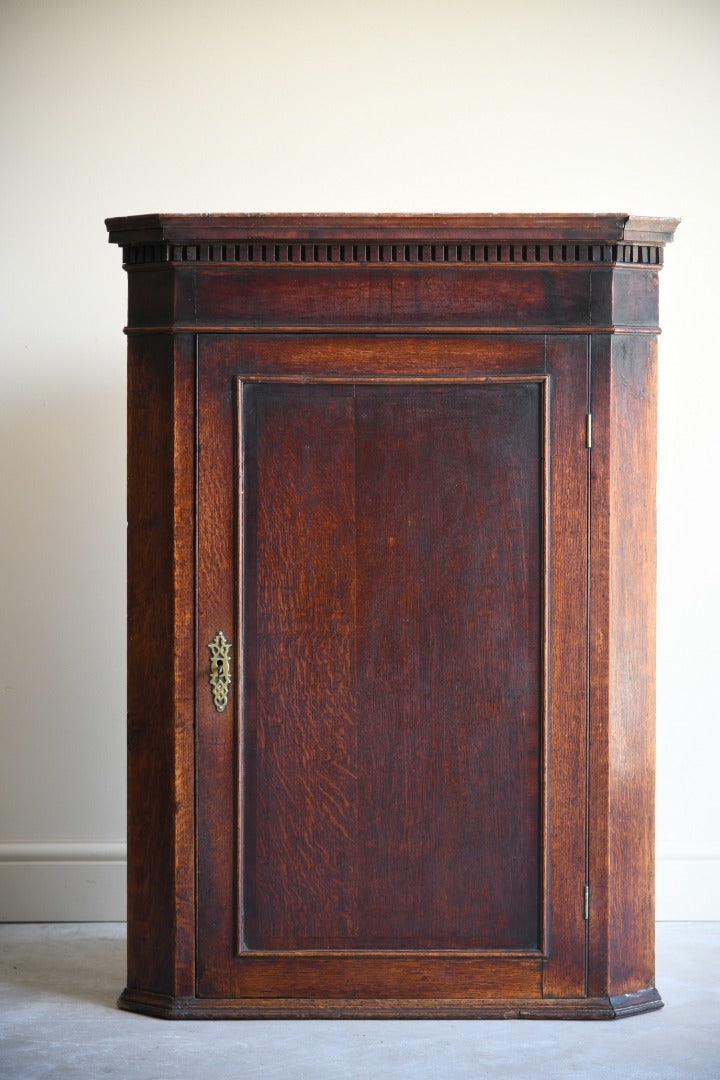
588,430
586,902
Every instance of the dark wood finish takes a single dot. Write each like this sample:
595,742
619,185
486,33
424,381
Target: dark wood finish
623,649
219,363
564,969
161,690
522,296
364,673
357,445
418,230
336,1008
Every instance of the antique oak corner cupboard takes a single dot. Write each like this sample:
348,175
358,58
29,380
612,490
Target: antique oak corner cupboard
391,614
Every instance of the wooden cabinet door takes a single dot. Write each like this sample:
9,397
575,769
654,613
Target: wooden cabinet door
392,533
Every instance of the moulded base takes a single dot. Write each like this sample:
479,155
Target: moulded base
595,1008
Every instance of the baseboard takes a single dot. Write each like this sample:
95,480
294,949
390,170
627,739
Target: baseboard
56,882
687,884
82,882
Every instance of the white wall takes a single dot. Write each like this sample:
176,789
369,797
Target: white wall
437,105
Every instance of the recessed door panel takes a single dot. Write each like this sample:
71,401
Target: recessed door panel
392,714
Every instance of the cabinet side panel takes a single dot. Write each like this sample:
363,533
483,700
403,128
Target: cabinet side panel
160,854
184,442
150,616
633,406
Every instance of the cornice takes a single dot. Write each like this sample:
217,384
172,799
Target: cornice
388,239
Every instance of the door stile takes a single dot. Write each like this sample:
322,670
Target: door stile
564,970
545,629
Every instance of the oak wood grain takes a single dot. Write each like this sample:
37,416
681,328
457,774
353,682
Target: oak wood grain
357,446
586,228
160,681
625,388
564,970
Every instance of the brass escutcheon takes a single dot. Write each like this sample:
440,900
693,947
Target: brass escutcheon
220,677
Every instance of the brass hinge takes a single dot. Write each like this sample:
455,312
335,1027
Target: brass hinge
588,430
586,902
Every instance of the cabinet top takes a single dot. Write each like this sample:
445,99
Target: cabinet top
391,228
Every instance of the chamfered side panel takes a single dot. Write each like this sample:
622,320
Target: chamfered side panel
633,455
161,377
393,629
623,624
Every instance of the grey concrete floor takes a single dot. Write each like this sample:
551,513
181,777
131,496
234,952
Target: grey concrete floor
59,983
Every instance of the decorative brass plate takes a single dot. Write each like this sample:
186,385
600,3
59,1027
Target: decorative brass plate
220,677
